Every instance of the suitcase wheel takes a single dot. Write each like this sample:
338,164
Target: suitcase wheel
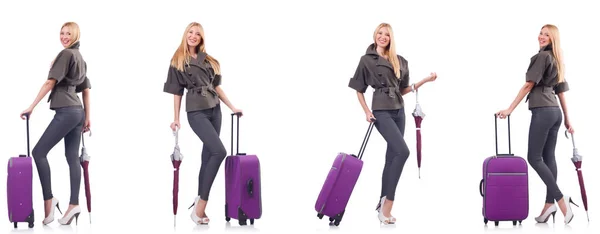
30,225
496,223
520,221
320,216
251,221
242,222
514,222
227,218
15,224
331,219
485,221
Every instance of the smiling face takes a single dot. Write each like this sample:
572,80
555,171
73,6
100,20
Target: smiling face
193,37
544,37
382,38
66,36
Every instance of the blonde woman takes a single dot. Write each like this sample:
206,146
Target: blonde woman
387,73
66,78
193,69
545,79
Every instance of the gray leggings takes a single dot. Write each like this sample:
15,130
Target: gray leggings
390,123
68,124
207,126
543,132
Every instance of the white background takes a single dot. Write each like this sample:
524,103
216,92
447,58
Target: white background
287,66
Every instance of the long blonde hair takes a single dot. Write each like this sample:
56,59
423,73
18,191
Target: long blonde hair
390,51
556,50
182,54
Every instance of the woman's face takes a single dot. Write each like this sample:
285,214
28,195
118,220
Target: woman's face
544,37
193,37
65,36
383,37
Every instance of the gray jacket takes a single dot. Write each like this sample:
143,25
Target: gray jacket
69,70
543,73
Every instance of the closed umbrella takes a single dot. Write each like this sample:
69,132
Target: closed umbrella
419,116
85,162
176,158
577,161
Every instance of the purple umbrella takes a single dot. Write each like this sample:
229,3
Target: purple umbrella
85,162
176,158
419,116
577,161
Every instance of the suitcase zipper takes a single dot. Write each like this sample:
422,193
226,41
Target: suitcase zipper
506,174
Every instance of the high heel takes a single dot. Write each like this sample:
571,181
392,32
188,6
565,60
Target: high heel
69,217
382,218
50,217
195,218
546,215
569,214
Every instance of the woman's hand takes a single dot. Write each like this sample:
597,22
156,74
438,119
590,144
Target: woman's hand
175,125
87,125
503,113
431,77
370,117
237,111
26,113
569,126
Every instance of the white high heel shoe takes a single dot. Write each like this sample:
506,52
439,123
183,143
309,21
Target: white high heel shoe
382,218
50,217
195,218
569,214
74,213
546,215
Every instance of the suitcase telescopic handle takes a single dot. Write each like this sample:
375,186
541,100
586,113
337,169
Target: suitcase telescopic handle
496,134
237,127
361,151
27,129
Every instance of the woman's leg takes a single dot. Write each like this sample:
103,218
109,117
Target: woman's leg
62,123
72,143
391,126
207,125
543,130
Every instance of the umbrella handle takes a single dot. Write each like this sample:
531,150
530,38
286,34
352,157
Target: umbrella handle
176,134
83,136
572,137
413,88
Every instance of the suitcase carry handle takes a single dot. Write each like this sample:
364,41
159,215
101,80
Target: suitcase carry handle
361,151
237,142
481,187
250,187
496,135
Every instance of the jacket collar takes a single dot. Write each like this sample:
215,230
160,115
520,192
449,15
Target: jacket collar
380,61
546,48
74,46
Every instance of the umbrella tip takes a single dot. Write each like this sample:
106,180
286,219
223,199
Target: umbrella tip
90,214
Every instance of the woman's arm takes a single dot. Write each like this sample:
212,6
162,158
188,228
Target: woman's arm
363,103
177,106
522,92
86,102
563,104
46,87
417,85
224,98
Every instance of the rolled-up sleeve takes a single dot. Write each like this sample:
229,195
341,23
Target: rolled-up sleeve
561,87
404,83
217,81
83,86
536,69
60,66
359,81
175,83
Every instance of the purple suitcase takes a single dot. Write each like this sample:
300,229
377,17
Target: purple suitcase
339,184
242,184
19,188
504,186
